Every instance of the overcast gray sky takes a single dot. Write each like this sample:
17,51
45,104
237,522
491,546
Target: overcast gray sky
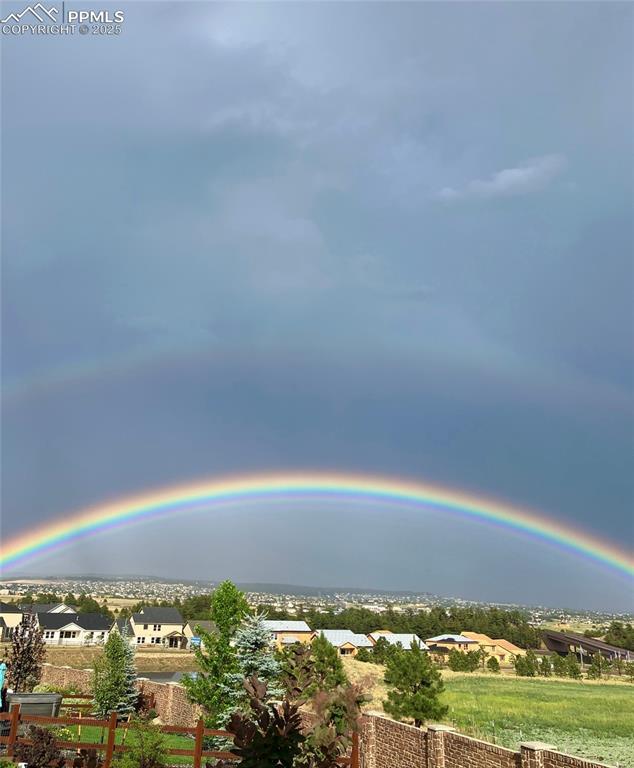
383,237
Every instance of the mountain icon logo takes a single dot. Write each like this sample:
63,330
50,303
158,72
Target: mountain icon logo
41,13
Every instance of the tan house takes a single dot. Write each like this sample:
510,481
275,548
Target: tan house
507,652
289,632
191,631
345,640
159,627
441,646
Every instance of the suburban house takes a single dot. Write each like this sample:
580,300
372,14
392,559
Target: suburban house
504,651
74,629
289,632
11,616
47,608
192,634
442,645
404,640
345,640
159,626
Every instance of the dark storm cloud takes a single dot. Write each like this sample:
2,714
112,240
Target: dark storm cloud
409,224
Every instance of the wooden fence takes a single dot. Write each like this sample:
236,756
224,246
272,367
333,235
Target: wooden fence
109,744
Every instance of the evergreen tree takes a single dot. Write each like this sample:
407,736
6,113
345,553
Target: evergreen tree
560,668
328,667
254,649
415,686
573,668
27,655
114,677
599,667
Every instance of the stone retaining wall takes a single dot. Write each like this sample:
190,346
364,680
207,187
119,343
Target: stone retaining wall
388,744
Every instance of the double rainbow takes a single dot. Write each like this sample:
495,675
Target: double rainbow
313,486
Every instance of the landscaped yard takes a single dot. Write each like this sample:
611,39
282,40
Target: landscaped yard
589,719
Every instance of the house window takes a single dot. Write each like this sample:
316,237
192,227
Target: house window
140,640
145,626
157,627
156,641
67,634
49,634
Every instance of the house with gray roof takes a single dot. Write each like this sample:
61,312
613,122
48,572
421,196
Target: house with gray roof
345,640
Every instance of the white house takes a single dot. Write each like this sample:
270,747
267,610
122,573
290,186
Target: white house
74,629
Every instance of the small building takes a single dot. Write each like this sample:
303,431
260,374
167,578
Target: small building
159,626
289,632
192,634
74,629
345,640
405,640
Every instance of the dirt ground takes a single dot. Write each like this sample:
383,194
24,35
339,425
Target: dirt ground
146,660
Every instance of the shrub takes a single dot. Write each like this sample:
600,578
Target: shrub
363,654
43,751
88,758
27,655
148,750
493,665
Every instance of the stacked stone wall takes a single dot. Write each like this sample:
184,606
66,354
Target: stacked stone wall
464,752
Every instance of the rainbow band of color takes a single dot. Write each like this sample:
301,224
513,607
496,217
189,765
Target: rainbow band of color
313,486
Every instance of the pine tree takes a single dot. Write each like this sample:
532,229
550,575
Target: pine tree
114,677
560,668
253,646
573,668
328,667
415,685
598,667
27,655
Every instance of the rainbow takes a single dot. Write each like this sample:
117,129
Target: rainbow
326,486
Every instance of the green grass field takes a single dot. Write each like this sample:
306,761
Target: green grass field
585,719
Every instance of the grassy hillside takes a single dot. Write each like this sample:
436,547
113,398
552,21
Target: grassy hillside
589,719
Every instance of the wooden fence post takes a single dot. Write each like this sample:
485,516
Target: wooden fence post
13,729
198,748
112,732
354,762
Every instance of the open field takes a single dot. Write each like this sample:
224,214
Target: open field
588,718
147,660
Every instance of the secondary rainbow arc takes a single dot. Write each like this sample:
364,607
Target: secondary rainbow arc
314,485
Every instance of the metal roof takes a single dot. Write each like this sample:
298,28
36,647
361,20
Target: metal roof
406,640
273,625
339,637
